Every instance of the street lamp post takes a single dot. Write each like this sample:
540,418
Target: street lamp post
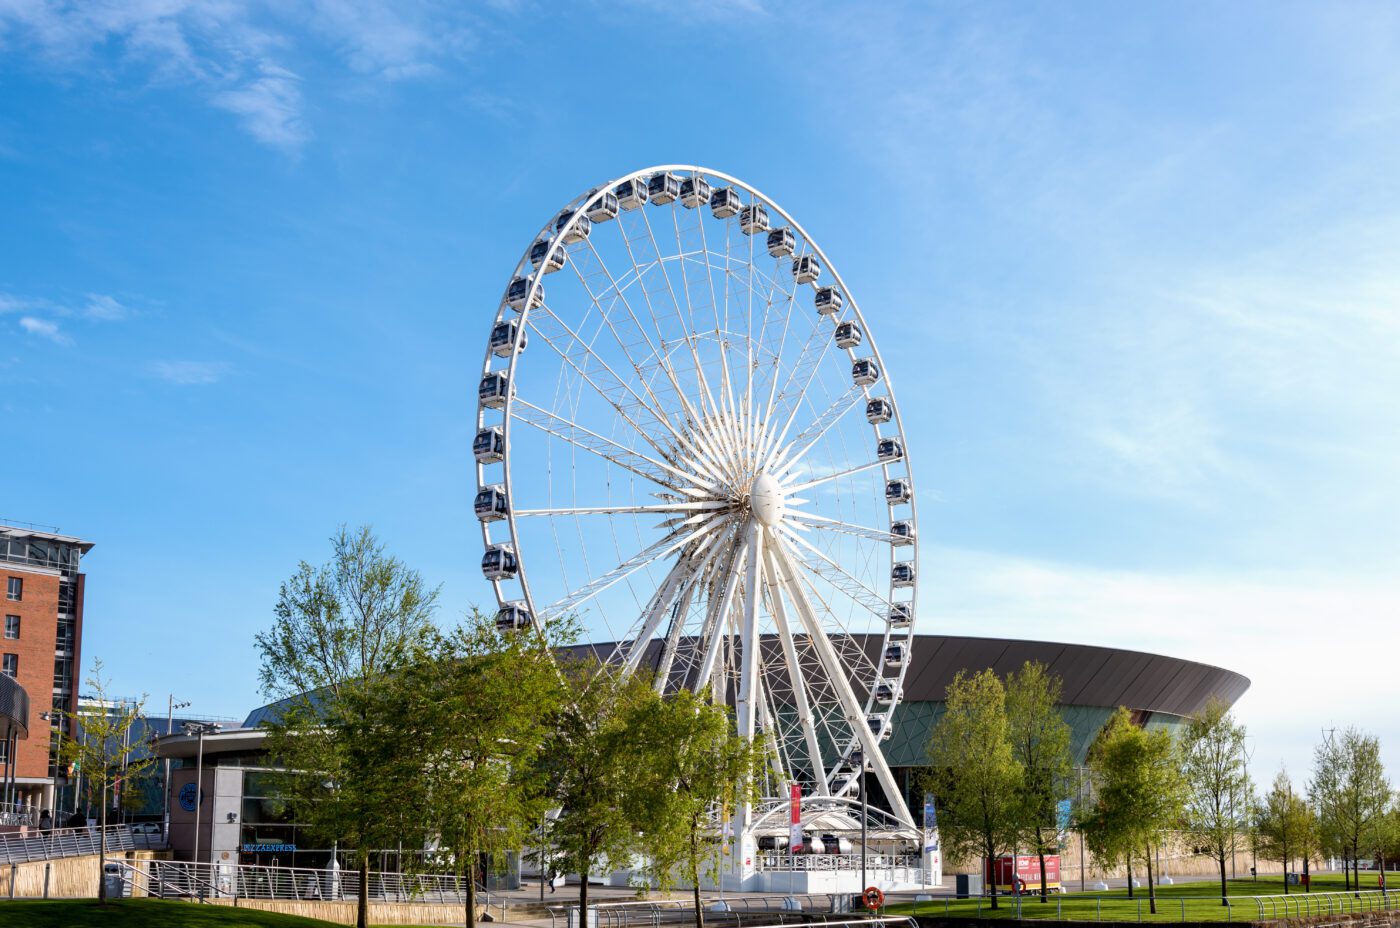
169,730
200,729
864,829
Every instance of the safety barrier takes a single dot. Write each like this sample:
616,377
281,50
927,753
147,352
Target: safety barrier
18,848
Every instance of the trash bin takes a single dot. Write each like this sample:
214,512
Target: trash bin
114,885
968,885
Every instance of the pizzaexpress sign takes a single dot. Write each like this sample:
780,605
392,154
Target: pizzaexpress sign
263,848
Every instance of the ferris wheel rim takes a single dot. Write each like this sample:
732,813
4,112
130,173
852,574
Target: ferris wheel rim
556,236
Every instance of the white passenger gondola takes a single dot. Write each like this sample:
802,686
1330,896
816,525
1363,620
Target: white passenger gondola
828,301
781,242
753,219
664,188
806,269
879,411
519,291
604,208
490,504
865,371
503,338
512,617
889,449
895,656
878,728
900,616
886,692
500,563
493,390
898,491
578,232
902,575
540,250
489,446
847,335
724,202
632,193
903,532
695,191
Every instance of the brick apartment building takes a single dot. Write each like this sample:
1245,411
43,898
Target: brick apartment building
39,643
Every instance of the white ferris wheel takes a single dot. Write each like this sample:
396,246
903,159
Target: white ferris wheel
700,455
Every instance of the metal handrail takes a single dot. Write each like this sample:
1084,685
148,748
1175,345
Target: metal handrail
74,842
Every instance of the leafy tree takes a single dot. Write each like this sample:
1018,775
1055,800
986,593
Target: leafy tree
99,744
339,631
1351,794
475,712
1140,792
589,762
691,763
974,775
1286,826
1040,743
1213,761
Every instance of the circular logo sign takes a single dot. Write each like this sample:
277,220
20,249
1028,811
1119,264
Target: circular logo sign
187,797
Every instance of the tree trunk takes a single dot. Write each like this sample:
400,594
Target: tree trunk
362,900
1151,890
583,899
102,845
1285,871
1224,886
1044,890
992,864
1130,876
471,891
699,909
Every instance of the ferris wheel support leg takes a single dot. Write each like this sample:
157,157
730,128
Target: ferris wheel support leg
799,683
680,572
870,747
749,684
713,634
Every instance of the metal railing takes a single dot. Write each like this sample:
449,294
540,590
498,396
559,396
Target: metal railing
73,842
19,818
1078,908
1300,904
825,862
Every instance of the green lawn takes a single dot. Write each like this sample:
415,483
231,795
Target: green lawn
1192,902
141,913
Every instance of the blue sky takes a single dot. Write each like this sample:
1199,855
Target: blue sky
1137,276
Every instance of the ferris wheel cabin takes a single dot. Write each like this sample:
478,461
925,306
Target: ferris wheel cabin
490,504
724,202
902,575
503,339
886,449
828,300
632,193
806,269
519,291
753,219
512,617
879,411
500,563
902,533
664,188
865,372
493,390
538,253
900,616
489,446
695,191
847,335
604,208
898,491
886,691
896,655
878,728
580,230
781,242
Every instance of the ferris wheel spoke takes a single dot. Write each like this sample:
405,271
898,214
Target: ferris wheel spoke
785,457
657,472
787,403
696,579
825,478
676,578
835,672
796,677
648,555
701,506
715,630
748,642
836,575
846,528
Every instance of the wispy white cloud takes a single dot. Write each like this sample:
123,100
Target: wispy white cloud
189,373
103,307
240,55
44,328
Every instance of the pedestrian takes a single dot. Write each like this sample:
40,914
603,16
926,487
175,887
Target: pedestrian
45,821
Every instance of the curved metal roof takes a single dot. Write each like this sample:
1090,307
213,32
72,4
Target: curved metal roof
14,706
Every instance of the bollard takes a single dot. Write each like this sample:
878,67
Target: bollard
48,868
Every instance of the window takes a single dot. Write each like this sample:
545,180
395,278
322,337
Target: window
10,667
11,626
14,590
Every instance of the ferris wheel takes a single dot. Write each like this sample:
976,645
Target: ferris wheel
701,457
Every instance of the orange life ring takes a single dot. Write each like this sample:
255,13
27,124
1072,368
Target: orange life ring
873,897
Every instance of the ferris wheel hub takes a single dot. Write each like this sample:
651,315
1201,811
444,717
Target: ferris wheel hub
766,500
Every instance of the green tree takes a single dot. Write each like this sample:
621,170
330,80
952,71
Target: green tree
475,713
1140,792
1213,761
98,742
1351,794
691,764
592,771
1040,743
1285,824
973,773
339,630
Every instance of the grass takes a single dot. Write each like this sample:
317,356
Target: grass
141,913
1191,902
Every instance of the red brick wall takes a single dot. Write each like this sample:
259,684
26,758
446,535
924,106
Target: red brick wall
38,632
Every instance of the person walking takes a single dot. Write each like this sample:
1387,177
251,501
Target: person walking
45,821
